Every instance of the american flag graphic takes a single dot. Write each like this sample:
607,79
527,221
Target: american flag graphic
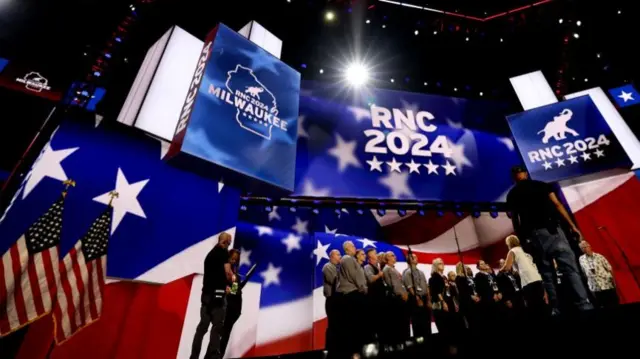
29,272
82,278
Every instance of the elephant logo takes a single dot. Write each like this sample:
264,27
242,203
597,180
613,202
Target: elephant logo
557,128
254,91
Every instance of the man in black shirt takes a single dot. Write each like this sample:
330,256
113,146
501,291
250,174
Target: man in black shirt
536,217
217,276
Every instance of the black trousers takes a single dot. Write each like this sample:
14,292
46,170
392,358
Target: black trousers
210,314
537,309
420,318
331,308
400,320
349,336
234,309
607,298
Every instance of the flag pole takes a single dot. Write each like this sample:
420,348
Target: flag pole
413,280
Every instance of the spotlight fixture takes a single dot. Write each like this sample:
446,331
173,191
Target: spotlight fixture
392,80
329,16
360,211
501,40
619,12
481,94
440,213
576,35
321,71
455,89
337,212
494,212
435,33
384,26
368,21
243,208
421,212
579,23
509,214
292,209
586,80
560,21
381,212
315,211
357,74
402,212
466,39
426,84
416,32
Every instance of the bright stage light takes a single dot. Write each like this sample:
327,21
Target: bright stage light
481,94
416,32
329,16
578,22
357,74
368,21
576,35
321,71
560,21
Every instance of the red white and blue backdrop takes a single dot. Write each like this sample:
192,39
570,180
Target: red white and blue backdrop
167,219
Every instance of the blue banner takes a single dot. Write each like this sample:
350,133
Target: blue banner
566,139
240,115
388,144
625,96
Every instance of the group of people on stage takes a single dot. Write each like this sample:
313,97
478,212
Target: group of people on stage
526,284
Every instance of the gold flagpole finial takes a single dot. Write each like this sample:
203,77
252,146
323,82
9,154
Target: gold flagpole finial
113,194
68,183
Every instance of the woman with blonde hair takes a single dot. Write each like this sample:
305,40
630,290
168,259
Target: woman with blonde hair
534,294
437,286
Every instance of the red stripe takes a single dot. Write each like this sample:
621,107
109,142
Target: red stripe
101,272
35,286
91,267
66,286
81,288
4,323
49,269
17,273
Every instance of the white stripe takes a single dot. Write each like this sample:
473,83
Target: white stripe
25,282
96,287
12,313
87,300
77,295
285,320
45,294
64,304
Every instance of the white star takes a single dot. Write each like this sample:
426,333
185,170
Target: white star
292,242
599,153
450,169
264,230
560,162
626,96
394,165
508,142
220,186
398,184
274,214
367,242
413,167
47,165
374,164
321,252
310,191
413,107
332,231
301,226
573,159
433,168
271,275
127,201
344,152
99,119
244,257
458,156
585,156
301,131
547,165
456,125
359,113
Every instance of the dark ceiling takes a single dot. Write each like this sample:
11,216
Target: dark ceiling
452,55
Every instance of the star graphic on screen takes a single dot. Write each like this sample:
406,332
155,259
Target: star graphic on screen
450,169
394,165
310,190
573,159
585,157
359,113
47,165
127,201
413,167
271,275
367,243
301,226
433,168
321,252
560,162
599,153
344,152
328,230
458,156
301,131
547,165
626,96
374,164
508,142
244,257
264,230
274,214
292,242
398,184
261,61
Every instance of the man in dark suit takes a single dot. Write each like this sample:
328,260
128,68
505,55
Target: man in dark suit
509,286
490,296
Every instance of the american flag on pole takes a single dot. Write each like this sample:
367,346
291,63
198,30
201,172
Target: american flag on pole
29,272
82,276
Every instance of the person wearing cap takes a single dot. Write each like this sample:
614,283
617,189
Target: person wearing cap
537,214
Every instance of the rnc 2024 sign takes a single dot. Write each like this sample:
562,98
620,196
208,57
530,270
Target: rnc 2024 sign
566,139
240,115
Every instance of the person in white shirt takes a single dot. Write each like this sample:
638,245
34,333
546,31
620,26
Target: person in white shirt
534,294
600,276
